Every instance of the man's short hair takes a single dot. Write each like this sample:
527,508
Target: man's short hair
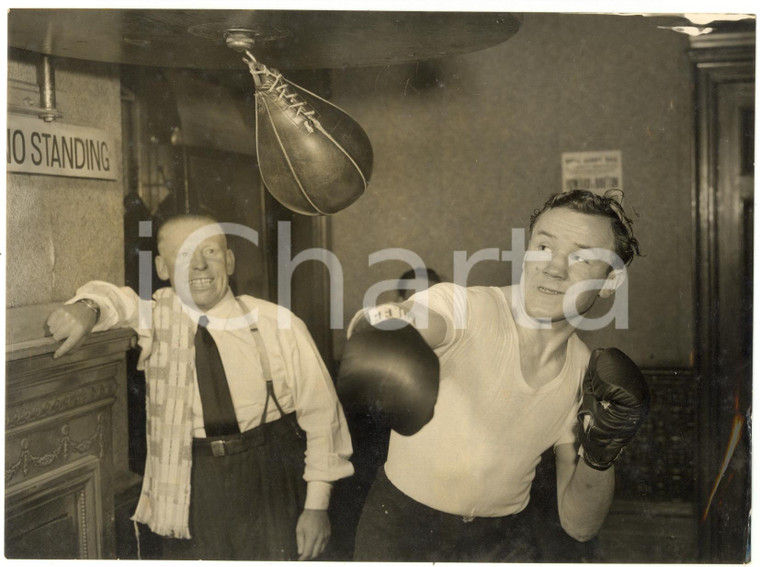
586,202
168,221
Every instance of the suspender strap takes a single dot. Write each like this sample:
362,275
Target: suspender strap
267,370
270,392
263,356
265,366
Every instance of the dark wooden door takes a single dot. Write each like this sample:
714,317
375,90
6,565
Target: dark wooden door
724,214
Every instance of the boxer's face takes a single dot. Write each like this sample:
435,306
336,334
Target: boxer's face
204,270
569,238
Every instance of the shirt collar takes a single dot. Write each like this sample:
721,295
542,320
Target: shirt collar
223,309
228,315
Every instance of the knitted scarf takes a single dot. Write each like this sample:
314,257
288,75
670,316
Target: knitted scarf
164,503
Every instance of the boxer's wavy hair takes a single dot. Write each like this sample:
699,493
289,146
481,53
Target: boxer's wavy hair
608,205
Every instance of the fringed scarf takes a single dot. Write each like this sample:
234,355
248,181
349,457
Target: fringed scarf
164,503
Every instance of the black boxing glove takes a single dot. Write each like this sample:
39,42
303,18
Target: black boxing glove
615,404
388,370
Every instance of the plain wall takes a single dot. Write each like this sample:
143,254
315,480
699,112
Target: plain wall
64,231
467,147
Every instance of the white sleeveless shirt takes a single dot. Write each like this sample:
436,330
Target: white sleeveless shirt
478,454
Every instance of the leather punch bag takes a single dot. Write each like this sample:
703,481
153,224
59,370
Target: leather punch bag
313,157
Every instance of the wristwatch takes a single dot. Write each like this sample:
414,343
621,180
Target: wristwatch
91,304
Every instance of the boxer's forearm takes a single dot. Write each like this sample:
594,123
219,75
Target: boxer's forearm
585,501
615,403
431,325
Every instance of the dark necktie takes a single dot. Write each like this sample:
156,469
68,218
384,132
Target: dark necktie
218,411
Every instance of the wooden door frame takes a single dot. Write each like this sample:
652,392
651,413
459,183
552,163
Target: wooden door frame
720,59
310,284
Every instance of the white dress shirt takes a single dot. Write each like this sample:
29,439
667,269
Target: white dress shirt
301,381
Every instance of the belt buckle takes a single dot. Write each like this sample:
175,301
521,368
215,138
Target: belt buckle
217,448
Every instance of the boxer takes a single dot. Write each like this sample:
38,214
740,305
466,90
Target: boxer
474,406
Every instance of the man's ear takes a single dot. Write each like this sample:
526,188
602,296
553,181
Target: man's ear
230,262
614,280
162,269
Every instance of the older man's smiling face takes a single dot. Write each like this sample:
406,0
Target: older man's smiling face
205,270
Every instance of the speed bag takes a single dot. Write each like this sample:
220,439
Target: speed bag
313,157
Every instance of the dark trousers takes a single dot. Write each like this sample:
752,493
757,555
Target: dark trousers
245,505
394,527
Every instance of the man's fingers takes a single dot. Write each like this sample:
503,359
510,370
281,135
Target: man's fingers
70,324
61,324
61,332
313,544
308,550
300,540
312,533
53,320
71,342
321,546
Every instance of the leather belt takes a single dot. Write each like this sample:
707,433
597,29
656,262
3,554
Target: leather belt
239,442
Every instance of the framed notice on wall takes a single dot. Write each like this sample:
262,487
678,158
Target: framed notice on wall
54,148
594,171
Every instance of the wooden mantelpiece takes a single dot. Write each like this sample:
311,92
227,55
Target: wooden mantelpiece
63,449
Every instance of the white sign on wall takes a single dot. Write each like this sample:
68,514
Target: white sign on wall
594,171
54,148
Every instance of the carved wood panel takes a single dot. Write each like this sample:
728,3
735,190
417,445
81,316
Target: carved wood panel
56,515
59,452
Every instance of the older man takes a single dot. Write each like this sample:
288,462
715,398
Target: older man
245,432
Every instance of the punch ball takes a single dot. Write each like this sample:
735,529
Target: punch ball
313,157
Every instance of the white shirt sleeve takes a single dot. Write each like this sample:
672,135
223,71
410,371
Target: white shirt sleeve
120,307
451,303
320,415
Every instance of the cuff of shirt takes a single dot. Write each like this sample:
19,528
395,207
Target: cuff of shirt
104,321
318,495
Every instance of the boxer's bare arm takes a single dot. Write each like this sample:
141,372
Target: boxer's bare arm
432,328
434,332
584,494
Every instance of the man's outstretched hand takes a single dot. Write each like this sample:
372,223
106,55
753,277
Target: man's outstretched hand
72,324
